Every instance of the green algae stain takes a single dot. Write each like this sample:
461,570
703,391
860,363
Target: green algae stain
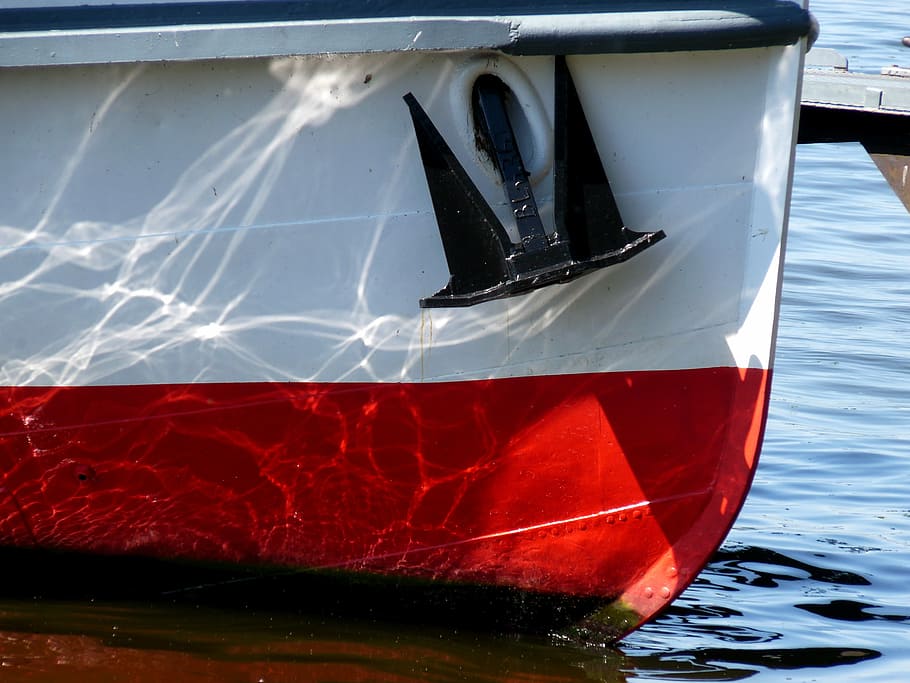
608,624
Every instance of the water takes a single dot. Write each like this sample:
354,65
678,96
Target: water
811,585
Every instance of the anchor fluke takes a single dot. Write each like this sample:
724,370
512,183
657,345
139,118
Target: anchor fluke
484,263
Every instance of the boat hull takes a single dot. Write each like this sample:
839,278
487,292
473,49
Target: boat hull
216,353
634,476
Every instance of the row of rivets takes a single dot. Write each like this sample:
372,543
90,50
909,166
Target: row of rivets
571,528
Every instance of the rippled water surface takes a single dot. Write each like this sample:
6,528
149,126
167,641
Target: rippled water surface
813,583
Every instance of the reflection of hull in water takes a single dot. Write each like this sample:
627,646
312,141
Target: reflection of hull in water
215,350
287,645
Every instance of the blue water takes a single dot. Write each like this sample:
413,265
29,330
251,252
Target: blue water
813,583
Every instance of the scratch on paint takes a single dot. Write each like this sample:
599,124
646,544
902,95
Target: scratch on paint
426,337
644,507
514,32
7,492
508,332
22,516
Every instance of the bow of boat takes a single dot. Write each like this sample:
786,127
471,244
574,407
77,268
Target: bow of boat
470,296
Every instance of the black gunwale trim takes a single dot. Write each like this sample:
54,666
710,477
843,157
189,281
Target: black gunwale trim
674,25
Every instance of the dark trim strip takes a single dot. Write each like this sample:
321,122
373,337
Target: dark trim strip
150,31
667,27
781,18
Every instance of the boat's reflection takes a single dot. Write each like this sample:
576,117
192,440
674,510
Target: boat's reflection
127,622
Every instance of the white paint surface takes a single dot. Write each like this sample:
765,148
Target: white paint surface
268,219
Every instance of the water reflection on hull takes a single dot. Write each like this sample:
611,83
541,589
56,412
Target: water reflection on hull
571,492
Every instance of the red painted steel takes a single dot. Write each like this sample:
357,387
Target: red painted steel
618,485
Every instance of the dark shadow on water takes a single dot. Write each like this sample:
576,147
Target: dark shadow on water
136,620
849,610
731,664
754,566
49,575
71,618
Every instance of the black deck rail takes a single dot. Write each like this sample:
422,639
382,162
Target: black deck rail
105,31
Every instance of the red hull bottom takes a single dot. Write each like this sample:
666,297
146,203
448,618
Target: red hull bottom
615,486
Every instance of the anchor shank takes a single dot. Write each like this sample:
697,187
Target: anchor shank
494,123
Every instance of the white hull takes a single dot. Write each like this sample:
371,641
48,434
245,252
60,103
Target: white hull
268,219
